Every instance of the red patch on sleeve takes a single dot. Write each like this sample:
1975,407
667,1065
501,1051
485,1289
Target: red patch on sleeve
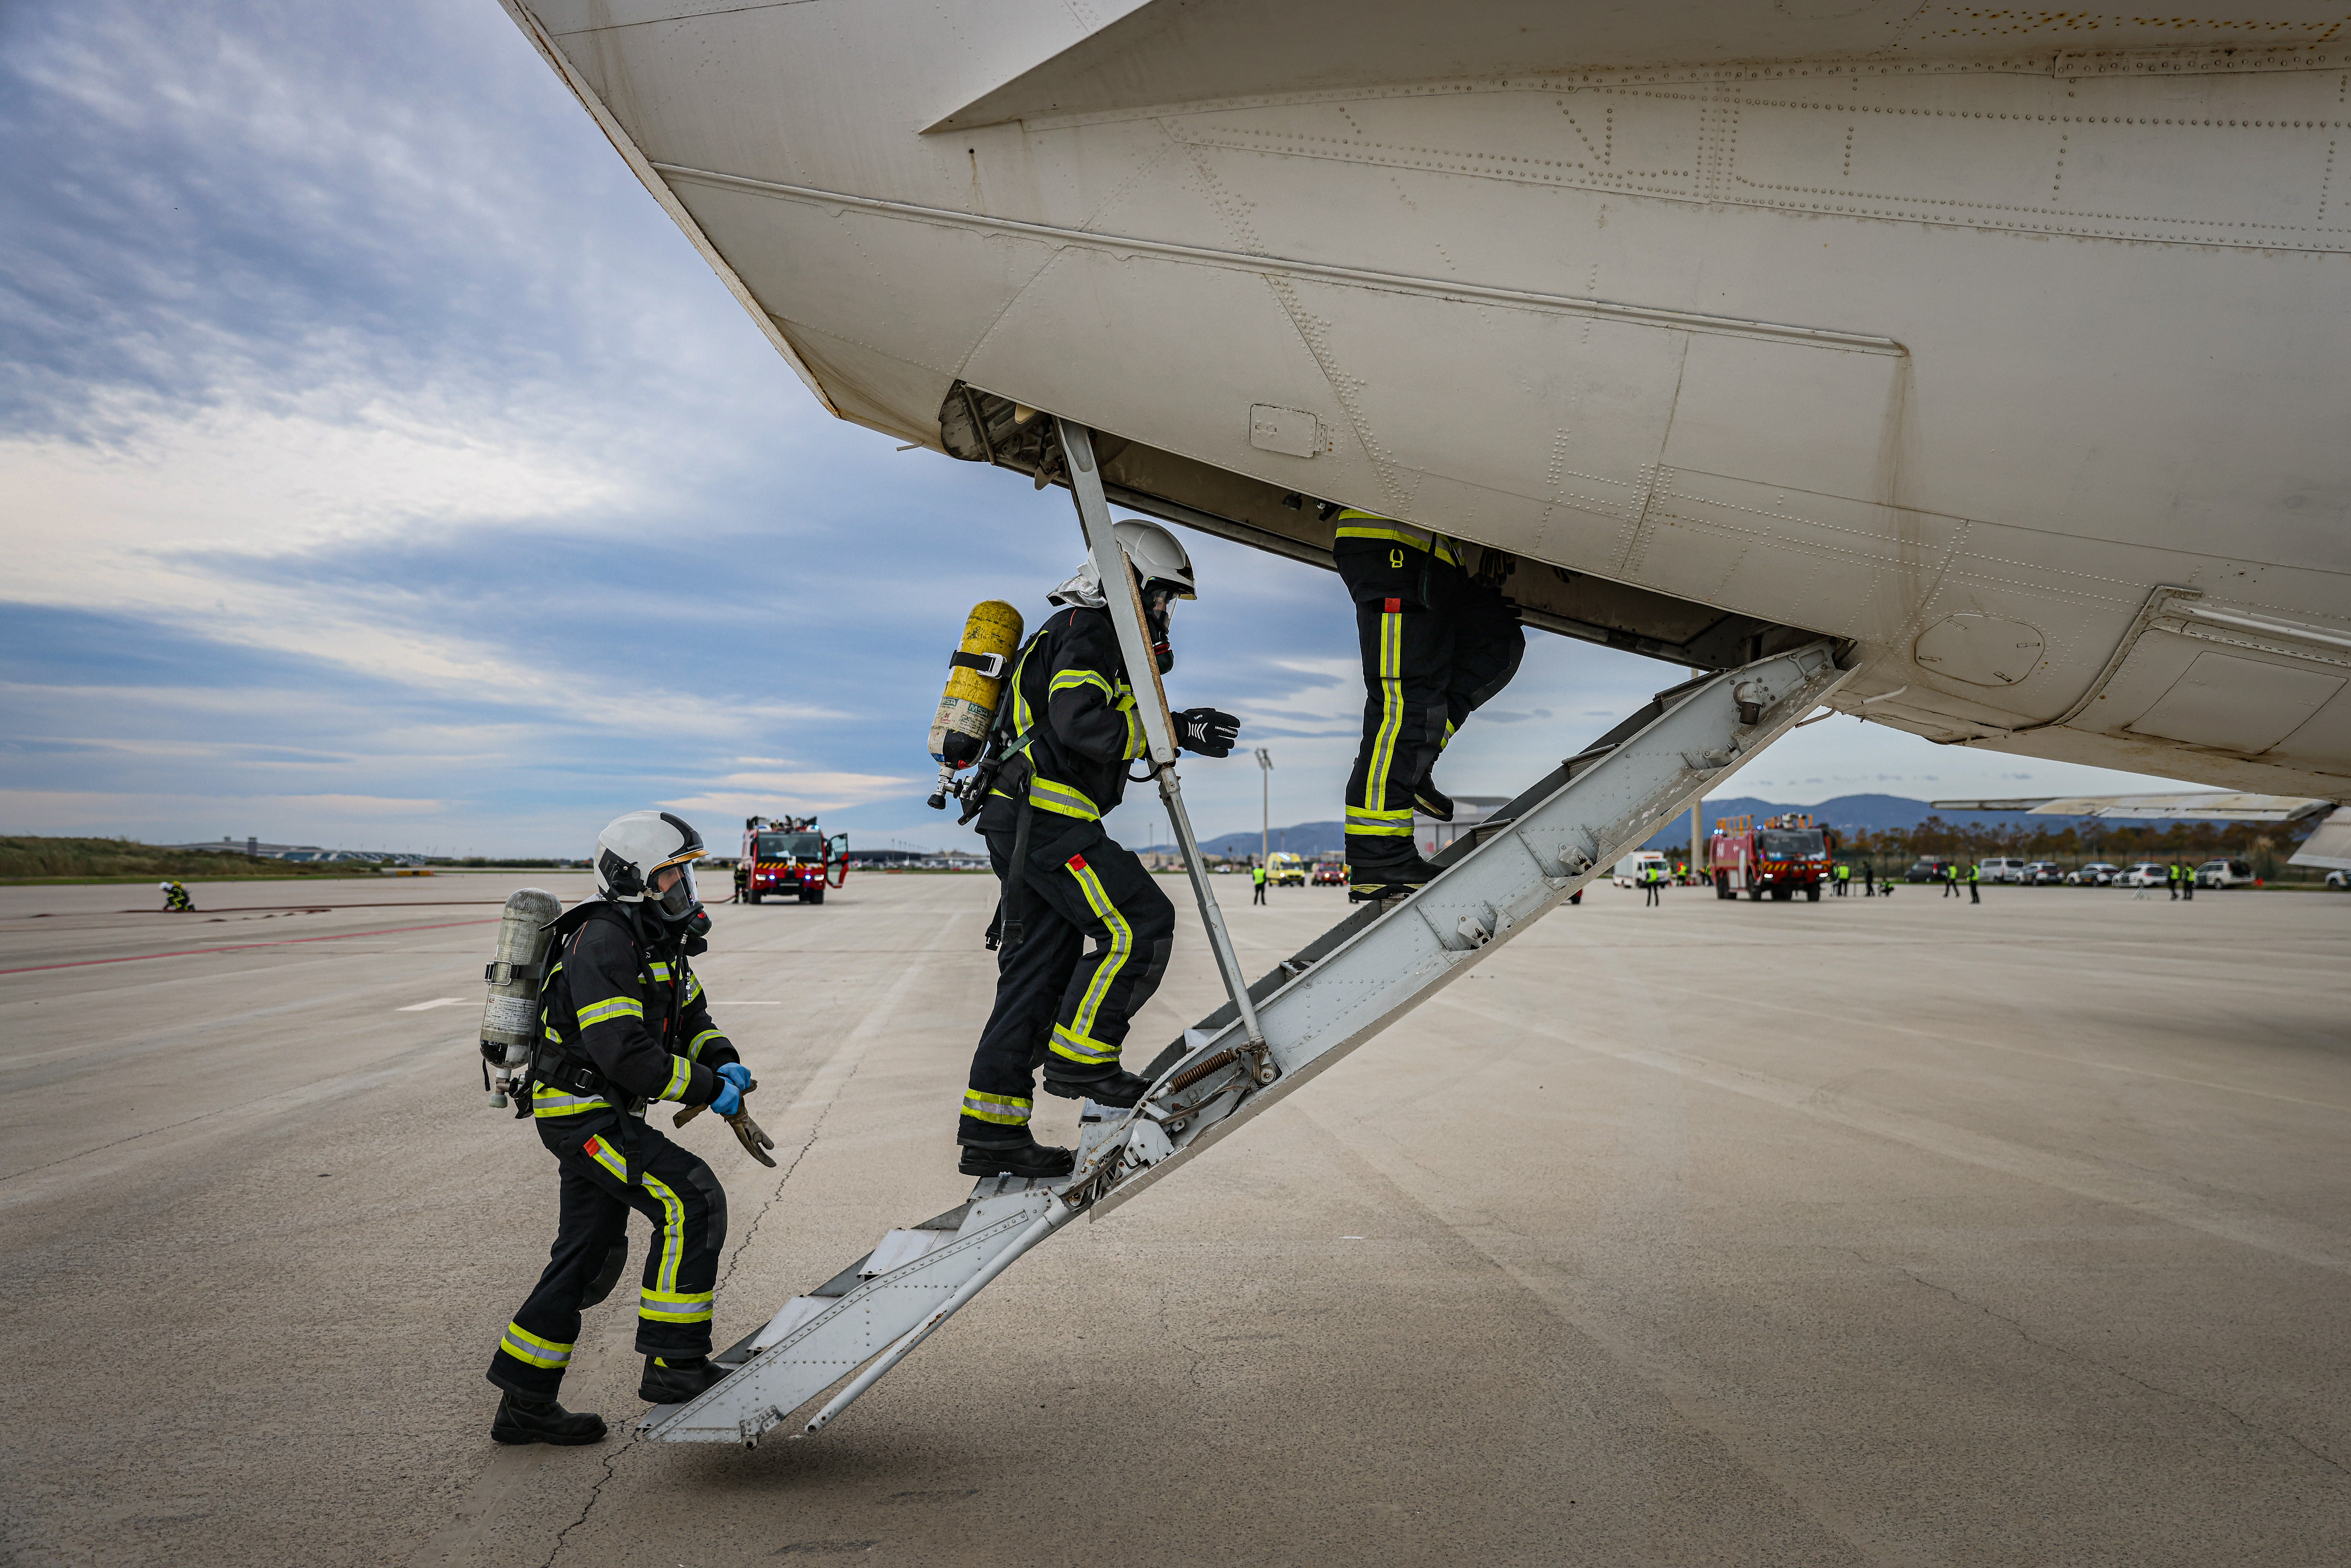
1396,606
1077,862
592,1146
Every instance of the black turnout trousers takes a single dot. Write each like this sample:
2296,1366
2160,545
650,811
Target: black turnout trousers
1437,645
1053,996
603,1173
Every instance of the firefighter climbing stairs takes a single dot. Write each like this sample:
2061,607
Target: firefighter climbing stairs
1307,1013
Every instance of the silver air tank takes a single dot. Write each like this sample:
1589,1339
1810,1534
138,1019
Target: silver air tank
510,1017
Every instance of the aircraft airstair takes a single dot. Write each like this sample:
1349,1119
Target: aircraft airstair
1272,1035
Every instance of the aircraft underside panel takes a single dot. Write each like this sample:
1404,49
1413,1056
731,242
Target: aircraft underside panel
1959,347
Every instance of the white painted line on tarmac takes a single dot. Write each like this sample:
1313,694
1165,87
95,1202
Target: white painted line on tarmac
435,1002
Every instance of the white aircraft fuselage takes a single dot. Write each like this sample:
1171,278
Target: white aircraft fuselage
2009,347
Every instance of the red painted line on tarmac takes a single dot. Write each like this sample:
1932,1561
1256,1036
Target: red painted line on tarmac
243,946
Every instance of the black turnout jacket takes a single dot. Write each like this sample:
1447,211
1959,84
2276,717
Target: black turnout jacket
628,1006
1070,699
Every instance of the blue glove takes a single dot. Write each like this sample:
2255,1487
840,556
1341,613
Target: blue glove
733,1079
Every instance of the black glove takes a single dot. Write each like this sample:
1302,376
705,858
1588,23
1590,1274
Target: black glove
1206,731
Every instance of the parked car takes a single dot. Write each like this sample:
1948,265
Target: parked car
1927,871
2340,880
2225,874
2043,873
1330,873
2097,873
2145,873
2002,868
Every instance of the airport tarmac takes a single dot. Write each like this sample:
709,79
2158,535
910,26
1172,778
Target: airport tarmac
1858,1232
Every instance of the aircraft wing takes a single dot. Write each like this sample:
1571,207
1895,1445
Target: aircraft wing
2198,806
1194,51
2329,848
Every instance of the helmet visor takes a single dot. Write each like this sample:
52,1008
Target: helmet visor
680,899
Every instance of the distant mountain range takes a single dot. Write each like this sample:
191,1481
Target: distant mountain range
1308,839
1846,813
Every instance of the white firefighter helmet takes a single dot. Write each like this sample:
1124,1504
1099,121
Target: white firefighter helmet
1154,553
633,848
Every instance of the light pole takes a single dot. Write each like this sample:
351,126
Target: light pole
1264,802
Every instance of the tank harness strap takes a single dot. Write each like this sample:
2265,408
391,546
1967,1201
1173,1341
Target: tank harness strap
551,1061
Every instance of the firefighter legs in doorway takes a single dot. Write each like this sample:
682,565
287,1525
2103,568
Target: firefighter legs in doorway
1428,663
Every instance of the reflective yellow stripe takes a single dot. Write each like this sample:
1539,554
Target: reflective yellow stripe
693,1046
546,1102
1023,717
1083,1048
693,988
681,1074
1383,739
611,1007
1122,943
525,1347
673,1236
674,1307
1070,680
605,1155
659,971
1052,794
1354,525
1005,1110
1394,824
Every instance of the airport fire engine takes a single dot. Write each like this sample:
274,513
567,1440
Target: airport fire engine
1777,855
786,857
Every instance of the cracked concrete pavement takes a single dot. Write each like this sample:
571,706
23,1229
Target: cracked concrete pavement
1860,1232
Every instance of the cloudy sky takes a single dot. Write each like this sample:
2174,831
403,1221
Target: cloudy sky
380,468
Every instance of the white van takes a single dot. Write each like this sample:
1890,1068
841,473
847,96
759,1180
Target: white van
1630,869
2003,868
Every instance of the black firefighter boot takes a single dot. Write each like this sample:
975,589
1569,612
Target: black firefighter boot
1027,1157
674,1380
1113,1085
521,1420
1431,801
1368,881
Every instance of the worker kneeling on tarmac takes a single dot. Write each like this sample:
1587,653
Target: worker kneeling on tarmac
624,1023
1438,644
1070,714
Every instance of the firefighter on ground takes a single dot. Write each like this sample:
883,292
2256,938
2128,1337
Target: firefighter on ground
2187,880
176,898
1843,878
1438,644
1652,878
625,1023
1975,875
1257,883
2171,879
1064,880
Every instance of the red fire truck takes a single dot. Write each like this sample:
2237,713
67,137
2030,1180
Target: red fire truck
1777,855
786,857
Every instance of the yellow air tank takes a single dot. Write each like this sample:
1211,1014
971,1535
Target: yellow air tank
974,684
